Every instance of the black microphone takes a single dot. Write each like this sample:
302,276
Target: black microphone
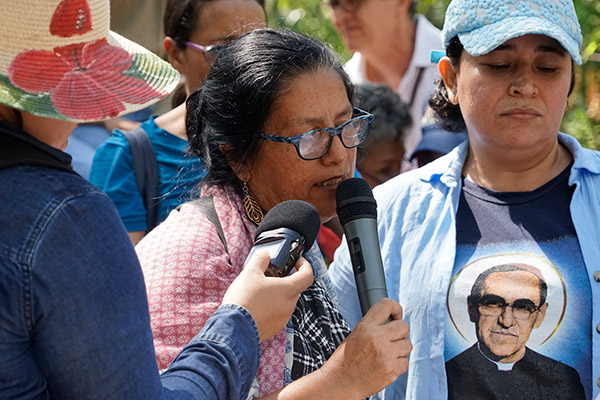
357,211
286,231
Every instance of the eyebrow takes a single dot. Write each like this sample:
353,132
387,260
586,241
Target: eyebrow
543,48
313,121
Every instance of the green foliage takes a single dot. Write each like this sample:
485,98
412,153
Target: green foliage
580,126
308,17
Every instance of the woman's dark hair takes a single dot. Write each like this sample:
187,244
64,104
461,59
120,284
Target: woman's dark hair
226,115
392,114
179,22
449,115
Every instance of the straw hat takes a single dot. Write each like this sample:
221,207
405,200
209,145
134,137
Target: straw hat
59,59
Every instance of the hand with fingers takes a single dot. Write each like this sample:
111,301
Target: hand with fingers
374,354
371,358
271,301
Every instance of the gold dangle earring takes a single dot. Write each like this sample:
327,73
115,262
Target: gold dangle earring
253,210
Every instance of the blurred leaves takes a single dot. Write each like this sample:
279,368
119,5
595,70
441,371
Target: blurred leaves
582,119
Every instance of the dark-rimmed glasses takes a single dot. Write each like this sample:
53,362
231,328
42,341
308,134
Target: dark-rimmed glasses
494,306
210,52
346,5
315,144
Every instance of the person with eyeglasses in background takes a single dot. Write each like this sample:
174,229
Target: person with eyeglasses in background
506,303
274,121
195,32
391,45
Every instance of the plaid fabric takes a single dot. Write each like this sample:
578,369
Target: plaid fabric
319,329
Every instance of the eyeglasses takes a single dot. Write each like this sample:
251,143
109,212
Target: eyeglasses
315,144
494,306
210,52
346,5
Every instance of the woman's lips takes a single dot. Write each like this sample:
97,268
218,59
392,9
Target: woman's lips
522,113
331,183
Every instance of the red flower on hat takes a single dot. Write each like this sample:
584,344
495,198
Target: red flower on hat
86,81
71,17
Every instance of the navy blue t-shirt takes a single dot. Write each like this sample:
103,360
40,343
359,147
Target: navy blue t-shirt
519,303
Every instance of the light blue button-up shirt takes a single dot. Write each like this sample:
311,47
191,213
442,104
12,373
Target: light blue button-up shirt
417,235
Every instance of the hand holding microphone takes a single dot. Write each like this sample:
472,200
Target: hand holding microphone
357,211
286,231
271,301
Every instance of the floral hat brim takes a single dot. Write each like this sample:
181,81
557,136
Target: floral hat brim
76,68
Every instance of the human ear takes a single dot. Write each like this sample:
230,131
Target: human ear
449,75
541,314
174,53
404,6
241,170
473,309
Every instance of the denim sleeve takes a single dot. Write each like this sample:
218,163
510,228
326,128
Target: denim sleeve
87,318
220,362
74,318
87,322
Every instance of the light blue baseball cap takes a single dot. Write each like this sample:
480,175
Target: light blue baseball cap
483,25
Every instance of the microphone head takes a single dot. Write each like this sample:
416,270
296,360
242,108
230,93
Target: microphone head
354,200
296,215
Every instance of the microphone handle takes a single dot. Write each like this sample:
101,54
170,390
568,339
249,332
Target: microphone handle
363,245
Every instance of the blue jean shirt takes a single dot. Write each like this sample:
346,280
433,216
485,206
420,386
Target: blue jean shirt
417,234
74,319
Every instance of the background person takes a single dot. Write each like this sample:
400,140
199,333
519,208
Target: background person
191,27
435,143
262,95
506,303
516,186
391,45
74,320
380,156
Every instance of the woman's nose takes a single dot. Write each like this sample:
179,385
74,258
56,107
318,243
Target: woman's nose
524,85
337,152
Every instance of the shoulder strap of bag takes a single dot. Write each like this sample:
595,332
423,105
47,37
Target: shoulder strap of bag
145,167
207,206
15,152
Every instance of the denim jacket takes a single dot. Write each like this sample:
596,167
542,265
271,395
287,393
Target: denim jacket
74,320
417,233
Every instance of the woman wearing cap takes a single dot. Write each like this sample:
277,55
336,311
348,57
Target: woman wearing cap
517,190
195,31
271,123
74,321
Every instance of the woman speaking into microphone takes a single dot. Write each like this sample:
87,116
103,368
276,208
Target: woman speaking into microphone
274,121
